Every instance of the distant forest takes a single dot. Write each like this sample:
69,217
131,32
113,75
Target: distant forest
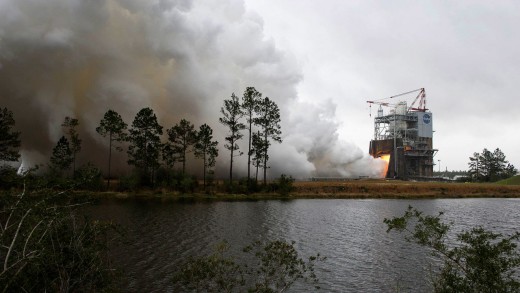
159,157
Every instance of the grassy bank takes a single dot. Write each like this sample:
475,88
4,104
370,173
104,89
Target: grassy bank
402,189
345,189
515,180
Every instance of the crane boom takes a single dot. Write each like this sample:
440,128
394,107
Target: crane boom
421,97
422,101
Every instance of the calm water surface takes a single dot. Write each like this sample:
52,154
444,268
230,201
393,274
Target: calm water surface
361,256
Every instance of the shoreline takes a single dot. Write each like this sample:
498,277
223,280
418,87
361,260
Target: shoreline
356,189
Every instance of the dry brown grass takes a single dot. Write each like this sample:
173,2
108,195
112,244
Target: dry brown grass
366,188
400,189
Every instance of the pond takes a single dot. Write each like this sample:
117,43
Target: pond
361,255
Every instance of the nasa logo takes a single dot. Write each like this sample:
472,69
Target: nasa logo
426,118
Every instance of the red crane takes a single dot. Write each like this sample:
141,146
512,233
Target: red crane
421,97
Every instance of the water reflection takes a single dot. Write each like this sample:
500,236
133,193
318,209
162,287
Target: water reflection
361,256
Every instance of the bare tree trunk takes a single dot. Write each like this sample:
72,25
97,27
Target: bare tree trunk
153,176
265,159
256,176
231,164
265,171
109,159
249,152
183,159
73,164
204,159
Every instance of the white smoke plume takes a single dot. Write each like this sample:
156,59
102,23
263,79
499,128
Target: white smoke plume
80,58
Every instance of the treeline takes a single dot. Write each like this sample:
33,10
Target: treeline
490,166
159,156
486,166
451,173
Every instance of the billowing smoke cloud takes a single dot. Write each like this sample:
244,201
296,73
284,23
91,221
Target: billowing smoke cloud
314,135
80,58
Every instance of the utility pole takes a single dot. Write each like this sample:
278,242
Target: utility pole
439,165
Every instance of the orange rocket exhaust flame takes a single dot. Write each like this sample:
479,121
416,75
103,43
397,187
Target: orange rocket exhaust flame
385,158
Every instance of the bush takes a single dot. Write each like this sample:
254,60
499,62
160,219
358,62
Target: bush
176,180
283,185
164,177
276,267
46,247
131,182
210,181
214,273
480,261
229,186
89,177
8,177
249,185
55,178
235,187
187,183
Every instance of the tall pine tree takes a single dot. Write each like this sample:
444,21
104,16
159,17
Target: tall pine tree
490,166
113,126
182,137
206,148
231,114
250,104
145,143
258,150
9,139
269,122
62,156
69,125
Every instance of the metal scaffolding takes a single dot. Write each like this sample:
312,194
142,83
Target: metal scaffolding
406,134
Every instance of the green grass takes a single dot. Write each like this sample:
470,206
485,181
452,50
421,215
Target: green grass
515,180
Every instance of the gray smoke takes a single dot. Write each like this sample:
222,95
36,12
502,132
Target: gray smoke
80,58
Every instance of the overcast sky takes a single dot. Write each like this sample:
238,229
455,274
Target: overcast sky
465,53
319,60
